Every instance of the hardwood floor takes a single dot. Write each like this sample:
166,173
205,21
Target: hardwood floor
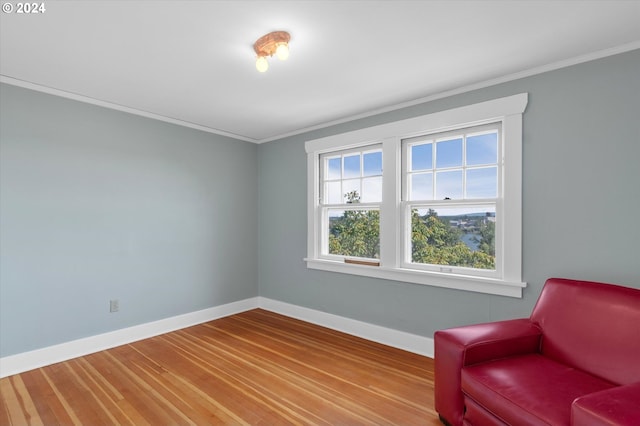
253,368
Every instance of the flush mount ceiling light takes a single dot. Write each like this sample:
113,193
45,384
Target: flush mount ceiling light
276,43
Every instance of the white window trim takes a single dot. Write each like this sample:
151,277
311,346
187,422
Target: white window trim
509,111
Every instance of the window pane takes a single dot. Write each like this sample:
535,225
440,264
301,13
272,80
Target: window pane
482,183
333,193
351,191
449,153
422,157
421,186
372,162
371,189
354,233
449,185
455,236
482,149
333,168
352,166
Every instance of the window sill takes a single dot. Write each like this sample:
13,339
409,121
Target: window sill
457,282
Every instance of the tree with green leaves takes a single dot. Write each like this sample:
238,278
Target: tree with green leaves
433,240
357,232
487,238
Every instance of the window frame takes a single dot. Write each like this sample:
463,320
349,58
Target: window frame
508,111
438,203
325,207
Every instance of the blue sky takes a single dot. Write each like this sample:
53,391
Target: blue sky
361,172
441,164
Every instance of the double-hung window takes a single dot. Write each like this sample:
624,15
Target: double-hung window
432,200
451,196
351,195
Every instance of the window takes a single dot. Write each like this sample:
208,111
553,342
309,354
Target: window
450,200
351,193
432,200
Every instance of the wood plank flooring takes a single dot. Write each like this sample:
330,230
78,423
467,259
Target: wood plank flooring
253,368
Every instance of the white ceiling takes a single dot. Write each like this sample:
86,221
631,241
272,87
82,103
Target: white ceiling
192,62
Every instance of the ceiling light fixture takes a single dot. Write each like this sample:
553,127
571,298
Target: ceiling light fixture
277,43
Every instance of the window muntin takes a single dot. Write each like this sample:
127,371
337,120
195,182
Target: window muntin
351,188
451,203
465,166
351,171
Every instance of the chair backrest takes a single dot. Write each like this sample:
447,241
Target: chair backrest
594,327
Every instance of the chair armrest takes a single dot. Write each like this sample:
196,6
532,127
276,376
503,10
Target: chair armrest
457,347
618,406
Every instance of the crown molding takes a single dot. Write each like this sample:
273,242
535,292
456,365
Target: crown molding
468,88
98,102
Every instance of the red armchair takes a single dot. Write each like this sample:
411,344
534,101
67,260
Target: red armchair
575,361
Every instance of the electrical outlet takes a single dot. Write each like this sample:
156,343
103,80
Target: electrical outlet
114,305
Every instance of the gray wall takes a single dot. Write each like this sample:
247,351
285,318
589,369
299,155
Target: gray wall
96,204
581,200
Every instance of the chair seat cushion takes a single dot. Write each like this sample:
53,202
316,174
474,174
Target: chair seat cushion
528,389
618,406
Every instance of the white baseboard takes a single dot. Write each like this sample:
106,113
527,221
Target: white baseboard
387,336
26,361
15,364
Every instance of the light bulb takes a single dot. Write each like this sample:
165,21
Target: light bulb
282,51
262,64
